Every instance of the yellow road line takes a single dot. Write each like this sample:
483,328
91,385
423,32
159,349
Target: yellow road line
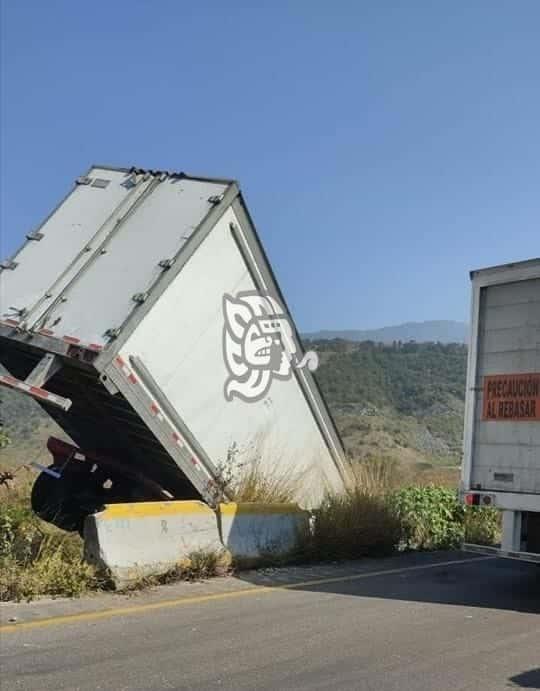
253,590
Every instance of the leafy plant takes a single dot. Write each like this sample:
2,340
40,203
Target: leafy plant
431,517
482,525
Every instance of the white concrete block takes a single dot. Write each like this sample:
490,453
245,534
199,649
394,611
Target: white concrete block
251,531
148,538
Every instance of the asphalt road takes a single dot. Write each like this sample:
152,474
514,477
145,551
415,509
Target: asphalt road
427,623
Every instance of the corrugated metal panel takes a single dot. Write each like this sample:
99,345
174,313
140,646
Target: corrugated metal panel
506,453
128,263
66,232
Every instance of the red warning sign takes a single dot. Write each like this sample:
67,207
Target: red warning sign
514,397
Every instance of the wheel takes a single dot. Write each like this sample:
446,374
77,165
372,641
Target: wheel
82,489
53,502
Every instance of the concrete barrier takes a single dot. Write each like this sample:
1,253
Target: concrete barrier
148,538
254,531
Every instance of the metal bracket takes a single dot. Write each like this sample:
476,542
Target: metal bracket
19,311
215,199
139,298
47,367
35,236
166,263
109,384
112,333
83,180
9,264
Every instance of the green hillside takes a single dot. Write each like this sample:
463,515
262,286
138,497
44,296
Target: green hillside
403,401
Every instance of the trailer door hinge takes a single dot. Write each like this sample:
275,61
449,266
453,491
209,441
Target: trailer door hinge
34,236
19,311
112,333
139,298
215,199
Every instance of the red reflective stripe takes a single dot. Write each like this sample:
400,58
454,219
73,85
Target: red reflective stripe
194,461
11,322
120,361
154,408
95,346
70,339
176,437
46,332
39,392
132,378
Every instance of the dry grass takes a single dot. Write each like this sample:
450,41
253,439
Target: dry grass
257,485
245,477
198,566
36,558
375,476
354,524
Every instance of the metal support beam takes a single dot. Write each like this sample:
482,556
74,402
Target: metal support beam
511,531
47,367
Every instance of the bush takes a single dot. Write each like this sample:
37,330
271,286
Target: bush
431,517
354,524
482,525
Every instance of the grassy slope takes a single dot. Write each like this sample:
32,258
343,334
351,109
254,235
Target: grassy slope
402,402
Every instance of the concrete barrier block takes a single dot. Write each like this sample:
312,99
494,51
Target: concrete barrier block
148,538
252,531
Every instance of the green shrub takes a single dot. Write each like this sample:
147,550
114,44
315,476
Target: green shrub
482,525
354,524
431,517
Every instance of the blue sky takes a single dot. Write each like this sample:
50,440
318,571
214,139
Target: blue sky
385,148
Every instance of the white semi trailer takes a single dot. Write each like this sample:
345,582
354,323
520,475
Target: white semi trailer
144,316
501,466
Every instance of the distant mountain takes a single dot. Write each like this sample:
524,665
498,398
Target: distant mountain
442,331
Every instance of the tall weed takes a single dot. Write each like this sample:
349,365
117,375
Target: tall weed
354,524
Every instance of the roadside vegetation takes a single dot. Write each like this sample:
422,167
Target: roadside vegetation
36,558
376,516
389,506
381,513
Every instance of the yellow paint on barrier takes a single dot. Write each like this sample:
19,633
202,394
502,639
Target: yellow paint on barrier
233,509
146,509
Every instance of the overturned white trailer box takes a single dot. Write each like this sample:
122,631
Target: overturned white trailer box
144,316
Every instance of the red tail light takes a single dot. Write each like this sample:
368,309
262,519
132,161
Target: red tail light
472,499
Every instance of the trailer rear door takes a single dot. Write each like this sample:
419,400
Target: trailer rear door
506,439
